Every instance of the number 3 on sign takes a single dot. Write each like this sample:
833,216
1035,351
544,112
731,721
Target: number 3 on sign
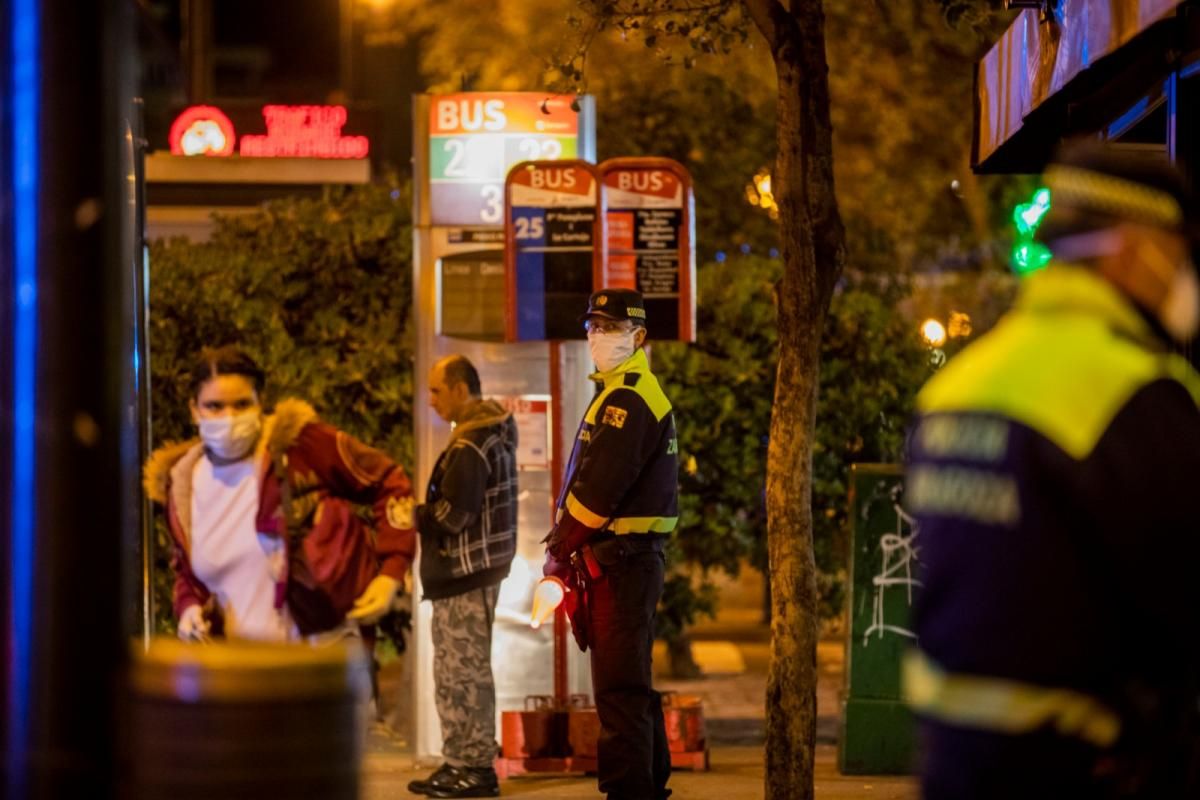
493,204
530,228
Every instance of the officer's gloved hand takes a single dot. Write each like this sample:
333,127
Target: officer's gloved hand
557,568
192,627
375,601
561,569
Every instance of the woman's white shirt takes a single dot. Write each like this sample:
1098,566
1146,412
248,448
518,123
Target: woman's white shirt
226,554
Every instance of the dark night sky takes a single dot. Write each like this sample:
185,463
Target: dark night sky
297,39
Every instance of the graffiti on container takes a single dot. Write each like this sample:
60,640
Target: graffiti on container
899,552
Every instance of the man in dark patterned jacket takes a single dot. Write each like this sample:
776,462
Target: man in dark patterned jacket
468,528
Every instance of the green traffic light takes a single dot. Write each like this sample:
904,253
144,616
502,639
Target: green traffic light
1028,216
1027,255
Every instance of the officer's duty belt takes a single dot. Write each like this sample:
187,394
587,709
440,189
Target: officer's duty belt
1004,706
629,543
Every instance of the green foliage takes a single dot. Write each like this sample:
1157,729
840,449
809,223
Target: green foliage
677,32
901,75
319,290
683,603
902,88
722,387
872,365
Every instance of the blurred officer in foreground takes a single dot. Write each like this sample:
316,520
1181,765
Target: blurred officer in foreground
618,503
1053,472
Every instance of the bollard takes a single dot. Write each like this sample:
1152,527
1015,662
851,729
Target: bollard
235,720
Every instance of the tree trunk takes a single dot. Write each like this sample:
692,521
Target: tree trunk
813,245
683,665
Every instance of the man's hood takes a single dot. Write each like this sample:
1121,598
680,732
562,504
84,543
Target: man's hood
483,414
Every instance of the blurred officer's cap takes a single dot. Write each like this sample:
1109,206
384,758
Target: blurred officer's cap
1094,186
616,304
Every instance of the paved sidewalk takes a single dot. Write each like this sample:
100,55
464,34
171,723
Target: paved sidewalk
736,774
734,717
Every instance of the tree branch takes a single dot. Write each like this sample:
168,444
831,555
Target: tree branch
665,10
765,14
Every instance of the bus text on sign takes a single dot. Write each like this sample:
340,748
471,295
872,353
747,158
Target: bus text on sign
553,247
475,137
650,214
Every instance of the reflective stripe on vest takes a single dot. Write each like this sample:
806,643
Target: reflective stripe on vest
618,525
623,525
1004,706
584,514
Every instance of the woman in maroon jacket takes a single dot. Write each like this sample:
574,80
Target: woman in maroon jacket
261,509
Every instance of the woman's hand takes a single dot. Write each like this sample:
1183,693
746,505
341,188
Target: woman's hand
375,601
193,627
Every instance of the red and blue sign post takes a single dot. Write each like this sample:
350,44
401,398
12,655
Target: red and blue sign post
650,211
555,247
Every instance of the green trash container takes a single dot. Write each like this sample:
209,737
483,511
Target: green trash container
877,728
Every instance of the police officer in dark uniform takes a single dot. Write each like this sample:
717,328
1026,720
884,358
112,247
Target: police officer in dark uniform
619,501
1053,475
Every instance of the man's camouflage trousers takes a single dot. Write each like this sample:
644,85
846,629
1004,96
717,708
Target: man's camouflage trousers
462,669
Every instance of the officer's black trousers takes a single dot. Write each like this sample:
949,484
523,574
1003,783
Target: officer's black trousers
958,764
634,762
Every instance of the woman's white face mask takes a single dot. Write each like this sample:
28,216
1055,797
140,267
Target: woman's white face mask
231,437
611,350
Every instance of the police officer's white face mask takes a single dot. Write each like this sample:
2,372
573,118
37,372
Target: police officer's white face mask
1141,265
611,350
1180,309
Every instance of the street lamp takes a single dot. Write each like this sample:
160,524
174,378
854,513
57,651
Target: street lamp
959,324
933,332
758,193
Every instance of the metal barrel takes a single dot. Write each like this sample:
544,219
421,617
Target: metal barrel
245,720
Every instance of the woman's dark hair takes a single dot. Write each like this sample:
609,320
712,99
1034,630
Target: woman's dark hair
227,360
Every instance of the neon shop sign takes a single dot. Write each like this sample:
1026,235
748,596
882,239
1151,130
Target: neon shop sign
292,132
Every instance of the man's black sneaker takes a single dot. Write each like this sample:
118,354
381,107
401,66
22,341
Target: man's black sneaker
465,782
425,786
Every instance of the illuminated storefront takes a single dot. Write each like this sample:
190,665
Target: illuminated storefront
216,161
1122,70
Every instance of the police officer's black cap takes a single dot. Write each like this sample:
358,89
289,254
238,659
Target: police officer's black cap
617,304
1095,185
